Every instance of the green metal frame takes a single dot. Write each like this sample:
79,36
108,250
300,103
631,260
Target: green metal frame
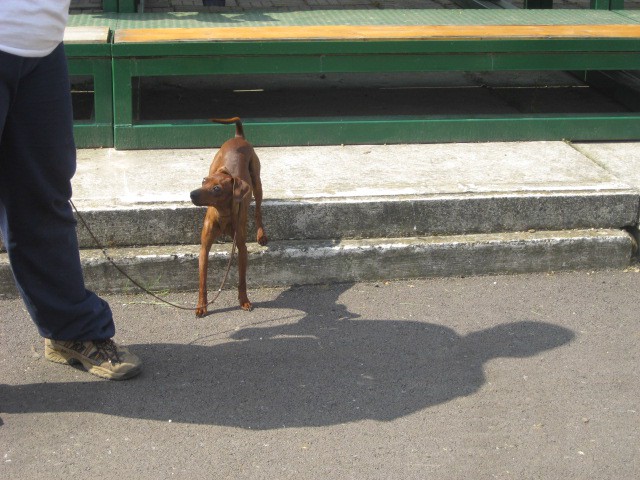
387,130
123,6
607,4
94,60
620,85
127,6
139,60
109,5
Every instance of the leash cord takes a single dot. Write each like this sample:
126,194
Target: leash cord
141,287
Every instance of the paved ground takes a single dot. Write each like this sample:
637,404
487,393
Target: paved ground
524,377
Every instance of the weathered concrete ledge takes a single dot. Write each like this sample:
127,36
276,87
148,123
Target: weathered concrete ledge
366,191
311,262
345,213
379,217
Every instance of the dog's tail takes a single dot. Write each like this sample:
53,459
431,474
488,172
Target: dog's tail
229,121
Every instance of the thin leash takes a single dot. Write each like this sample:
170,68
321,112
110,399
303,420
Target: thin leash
143,288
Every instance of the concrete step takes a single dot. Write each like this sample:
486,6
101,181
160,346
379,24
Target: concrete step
367,212
364,191
374,217
175,267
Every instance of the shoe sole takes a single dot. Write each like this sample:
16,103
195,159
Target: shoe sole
57,356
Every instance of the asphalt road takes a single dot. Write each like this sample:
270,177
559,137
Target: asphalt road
524,377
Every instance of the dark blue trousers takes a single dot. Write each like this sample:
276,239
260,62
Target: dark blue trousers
37,161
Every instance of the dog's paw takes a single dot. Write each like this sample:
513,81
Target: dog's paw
201,312
246,306
262,237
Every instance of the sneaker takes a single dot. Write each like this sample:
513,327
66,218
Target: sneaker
103,358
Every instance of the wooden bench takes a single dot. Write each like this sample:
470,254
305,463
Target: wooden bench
419,41
88,50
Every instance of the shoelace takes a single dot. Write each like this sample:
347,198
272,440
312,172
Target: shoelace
108,349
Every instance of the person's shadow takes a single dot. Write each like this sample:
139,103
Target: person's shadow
330,367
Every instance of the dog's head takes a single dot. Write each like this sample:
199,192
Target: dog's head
220,189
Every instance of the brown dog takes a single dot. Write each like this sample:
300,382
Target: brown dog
234,174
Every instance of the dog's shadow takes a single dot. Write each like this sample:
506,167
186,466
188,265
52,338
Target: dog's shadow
330,367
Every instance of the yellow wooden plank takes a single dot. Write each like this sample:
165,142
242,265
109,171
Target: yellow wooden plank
375,32
86,35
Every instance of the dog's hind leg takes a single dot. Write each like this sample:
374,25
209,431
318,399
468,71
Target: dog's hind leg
254,170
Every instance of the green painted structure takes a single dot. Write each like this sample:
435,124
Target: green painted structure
129,61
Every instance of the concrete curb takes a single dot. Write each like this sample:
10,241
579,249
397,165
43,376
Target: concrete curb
375,217
313,262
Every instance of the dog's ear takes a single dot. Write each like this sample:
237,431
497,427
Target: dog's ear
240,189
223,170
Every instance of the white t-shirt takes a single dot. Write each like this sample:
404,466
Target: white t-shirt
32,28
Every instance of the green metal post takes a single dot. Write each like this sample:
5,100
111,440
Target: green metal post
97,131
122,98
127,6
109,5
607,4
94,60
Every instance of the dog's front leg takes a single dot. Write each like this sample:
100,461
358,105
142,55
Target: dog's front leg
203,263
245,304
209,233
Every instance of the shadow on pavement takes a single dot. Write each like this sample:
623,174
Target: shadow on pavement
330,367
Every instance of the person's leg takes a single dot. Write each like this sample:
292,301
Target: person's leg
37,161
